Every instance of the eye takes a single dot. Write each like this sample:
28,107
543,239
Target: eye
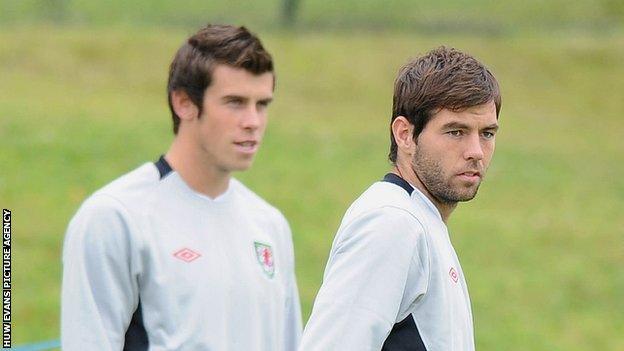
235,102
488,135
263,104
455,133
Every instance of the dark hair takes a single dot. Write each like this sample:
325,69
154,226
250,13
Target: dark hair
443,78
192,66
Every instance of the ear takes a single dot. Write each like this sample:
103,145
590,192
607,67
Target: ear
403,133
183,106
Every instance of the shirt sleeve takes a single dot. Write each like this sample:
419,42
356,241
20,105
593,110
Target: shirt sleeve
364,285
99,290
292,318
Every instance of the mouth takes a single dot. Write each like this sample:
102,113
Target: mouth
470,176
247,146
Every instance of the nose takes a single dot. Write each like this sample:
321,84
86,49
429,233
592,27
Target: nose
474,149
252,119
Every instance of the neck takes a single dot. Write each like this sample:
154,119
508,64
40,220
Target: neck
405,171
197,172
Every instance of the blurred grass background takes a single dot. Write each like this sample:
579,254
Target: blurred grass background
82,101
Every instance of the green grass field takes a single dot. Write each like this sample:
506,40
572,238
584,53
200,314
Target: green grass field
541,246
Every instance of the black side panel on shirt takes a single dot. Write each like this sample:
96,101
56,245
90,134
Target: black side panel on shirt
136,335
404,336
163,166
396,180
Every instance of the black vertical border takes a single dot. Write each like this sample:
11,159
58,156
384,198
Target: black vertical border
6,278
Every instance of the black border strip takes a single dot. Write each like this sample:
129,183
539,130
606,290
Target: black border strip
163,166
396,180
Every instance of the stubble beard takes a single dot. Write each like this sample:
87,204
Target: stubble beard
434,179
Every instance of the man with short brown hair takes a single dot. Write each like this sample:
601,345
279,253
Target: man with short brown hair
393,280
177,254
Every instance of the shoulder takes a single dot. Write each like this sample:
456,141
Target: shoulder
386,203
132,187
117,201
384,216
383,194
387,223
105,223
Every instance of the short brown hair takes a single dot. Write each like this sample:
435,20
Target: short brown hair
192,66
443,78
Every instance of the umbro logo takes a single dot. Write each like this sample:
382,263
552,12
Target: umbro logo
454,275
186,255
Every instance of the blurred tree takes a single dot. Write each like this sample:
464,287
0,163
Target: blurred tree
289,12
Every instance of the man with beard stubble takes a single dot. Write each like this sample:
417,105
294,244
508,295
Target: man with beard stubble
393,280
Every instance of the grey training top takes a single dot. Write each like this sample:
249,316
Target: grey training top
150,264
393,280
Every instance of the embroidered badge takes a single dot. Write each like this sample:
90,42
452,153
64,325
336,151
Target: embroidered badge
186,255
264,254
453,274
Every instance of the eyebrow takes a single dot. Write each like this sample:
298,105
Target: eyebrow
454,124
460,125
493,126
239,97
233,97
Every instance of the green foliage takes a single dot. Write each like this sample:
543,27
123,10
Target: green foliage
541,246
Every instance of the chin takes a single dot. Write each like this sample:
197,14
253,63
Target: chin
467,196
458,195
241,167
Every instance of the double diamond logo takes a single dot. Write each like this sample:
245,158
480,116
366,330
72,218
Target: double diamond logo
454,275
186,255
